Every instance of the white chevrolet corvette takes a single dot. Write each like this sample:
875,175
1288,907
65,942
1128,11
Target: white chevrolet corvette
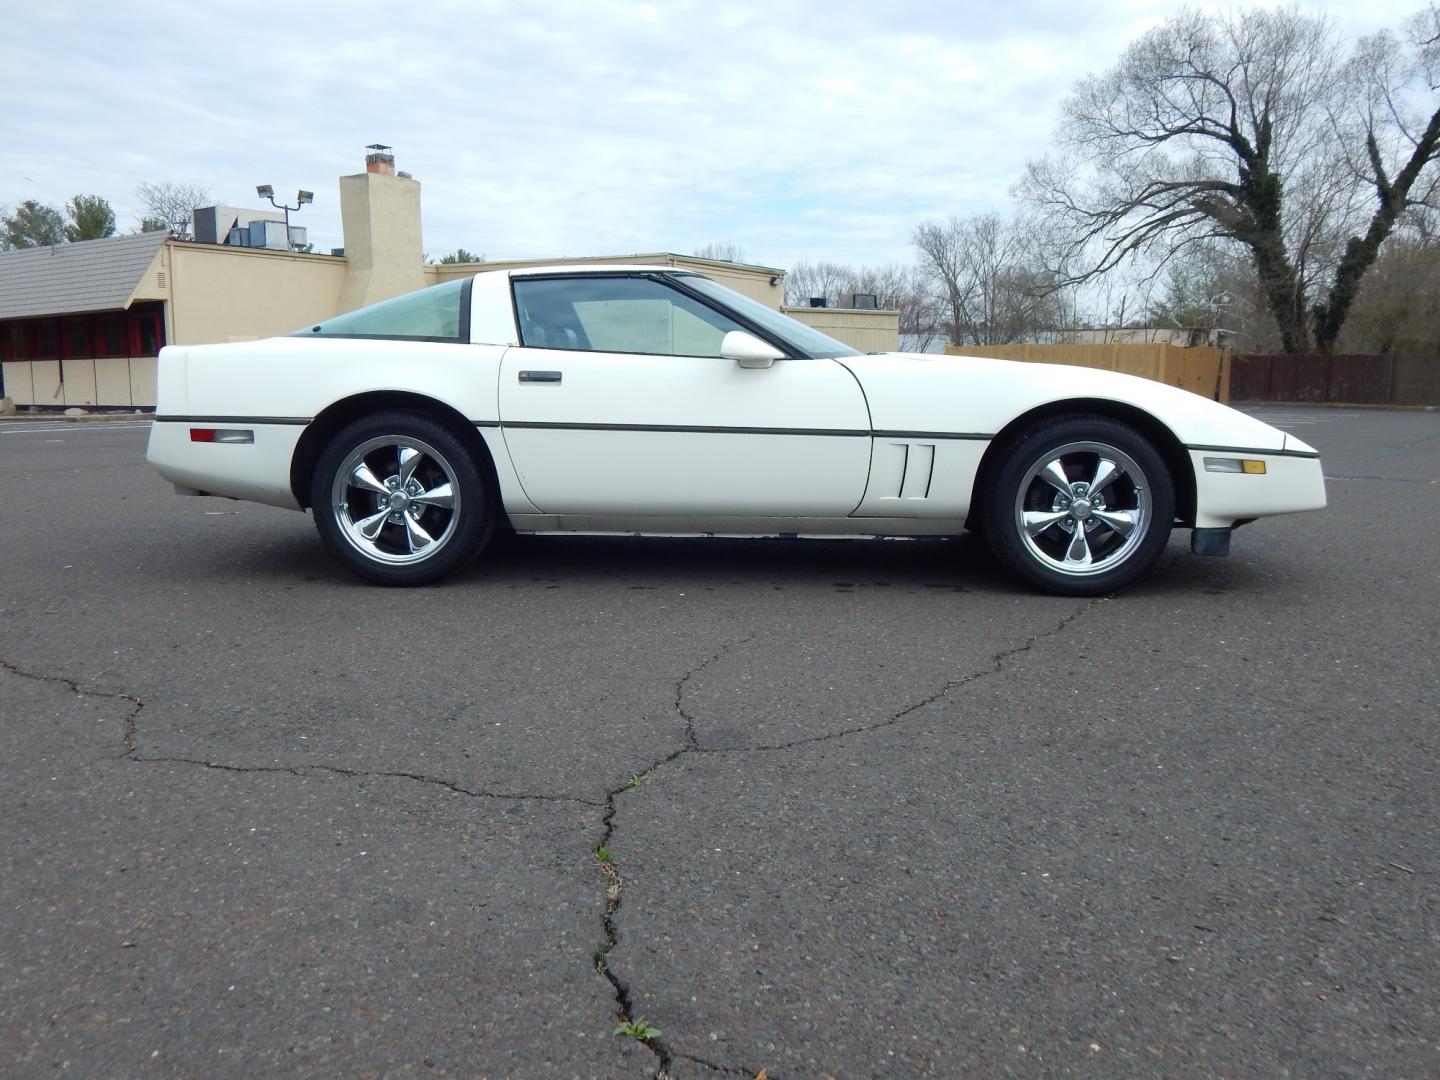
643,400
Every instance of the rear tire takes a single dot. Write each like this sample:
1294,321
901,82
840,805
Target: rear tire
400,499
1080,505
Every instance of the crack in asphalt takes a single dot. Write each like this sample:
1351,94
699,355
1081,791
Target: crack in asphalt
996,663
362,774
614,883
128,722
130,751
691,739
610,938
1396,450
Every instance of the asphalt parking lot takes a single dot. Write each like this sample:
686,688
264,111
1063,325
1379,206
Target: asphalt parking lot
870,809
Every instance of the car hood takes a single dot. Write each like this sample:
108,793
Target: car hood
974,395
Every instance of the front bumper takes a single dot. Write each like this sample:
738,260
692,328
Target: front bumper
1293,481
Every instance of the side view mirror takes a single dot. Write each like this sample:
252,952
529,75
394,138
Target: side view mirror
748,351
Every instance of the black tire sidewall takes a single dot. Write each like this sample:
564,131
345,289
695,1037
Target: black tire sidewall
477,504
1020,454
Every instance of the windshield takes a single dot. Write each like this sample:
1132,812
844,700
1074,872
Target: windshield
806,339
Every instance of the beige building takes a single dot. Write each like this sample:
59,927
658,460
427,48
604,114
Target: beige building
81,324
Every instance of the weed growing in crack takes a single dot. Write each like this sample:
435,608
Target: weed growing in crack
635,781
602,853
637,1029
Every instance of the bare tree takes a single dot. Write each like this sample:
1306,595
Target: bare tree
897,288
1250,129
170,203
904,290
988,281
943,261
721,252
828,280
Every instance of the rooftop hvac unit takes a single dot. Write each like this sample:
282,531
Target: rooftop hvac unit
238,237
207,224
217,224
297,236
818,301
268,234
865,301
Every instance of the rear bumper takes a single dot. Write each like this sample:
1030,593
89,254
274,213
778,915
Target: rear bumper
258,471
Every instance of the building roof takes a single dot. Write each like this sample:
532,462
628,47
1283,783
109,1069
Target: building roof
89,275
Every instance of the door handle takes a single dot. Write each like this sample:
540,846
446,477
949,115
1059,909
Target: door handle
540,376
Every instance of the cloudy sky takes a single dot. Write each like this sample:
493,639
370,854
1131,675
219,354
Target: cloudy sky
798,131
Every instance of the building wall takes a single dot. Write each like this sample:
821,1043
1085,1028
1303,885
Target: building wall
110,382
212,293
863,329
102,358
759,283
220,294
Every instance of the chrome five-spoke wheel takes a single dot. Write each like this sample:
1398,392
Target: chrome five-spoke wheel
1082,508
396,499
401,499
1079,505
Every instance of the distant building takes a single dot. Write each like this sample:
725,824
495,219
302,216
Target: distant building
82,324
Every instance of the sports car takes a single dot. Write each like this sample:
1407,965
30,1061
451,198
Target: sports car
650,400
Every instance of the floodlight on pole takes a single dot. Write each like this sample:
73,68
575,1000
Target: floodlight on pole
302,198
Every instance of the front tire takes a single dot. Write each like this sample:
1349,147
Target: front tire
1080,506
400,500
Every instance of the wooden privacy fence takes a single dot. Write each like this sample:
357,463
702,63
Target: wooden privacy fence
1378,379
1200,369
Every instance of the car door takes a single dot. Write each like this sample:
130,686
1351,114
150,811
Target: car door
617,402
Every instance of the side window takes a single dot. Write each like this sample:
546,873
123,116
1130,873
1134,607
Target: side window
112,336
439,313
617,314
47,339
77,337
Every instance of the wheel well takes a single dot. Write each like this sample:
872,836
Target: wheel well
1177,460
334,417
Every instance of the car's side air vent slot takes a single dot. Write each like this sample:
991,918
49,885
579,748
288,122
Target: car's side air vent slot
916,470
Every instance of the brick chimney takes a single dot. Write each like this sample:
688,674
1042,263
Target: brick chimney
380,160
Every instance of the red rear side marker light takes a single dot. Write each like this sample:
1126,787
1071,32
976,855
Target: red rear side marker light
221,435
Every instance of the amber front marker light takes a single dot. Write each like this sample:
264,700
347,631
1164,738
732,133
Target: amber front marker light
1253,466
